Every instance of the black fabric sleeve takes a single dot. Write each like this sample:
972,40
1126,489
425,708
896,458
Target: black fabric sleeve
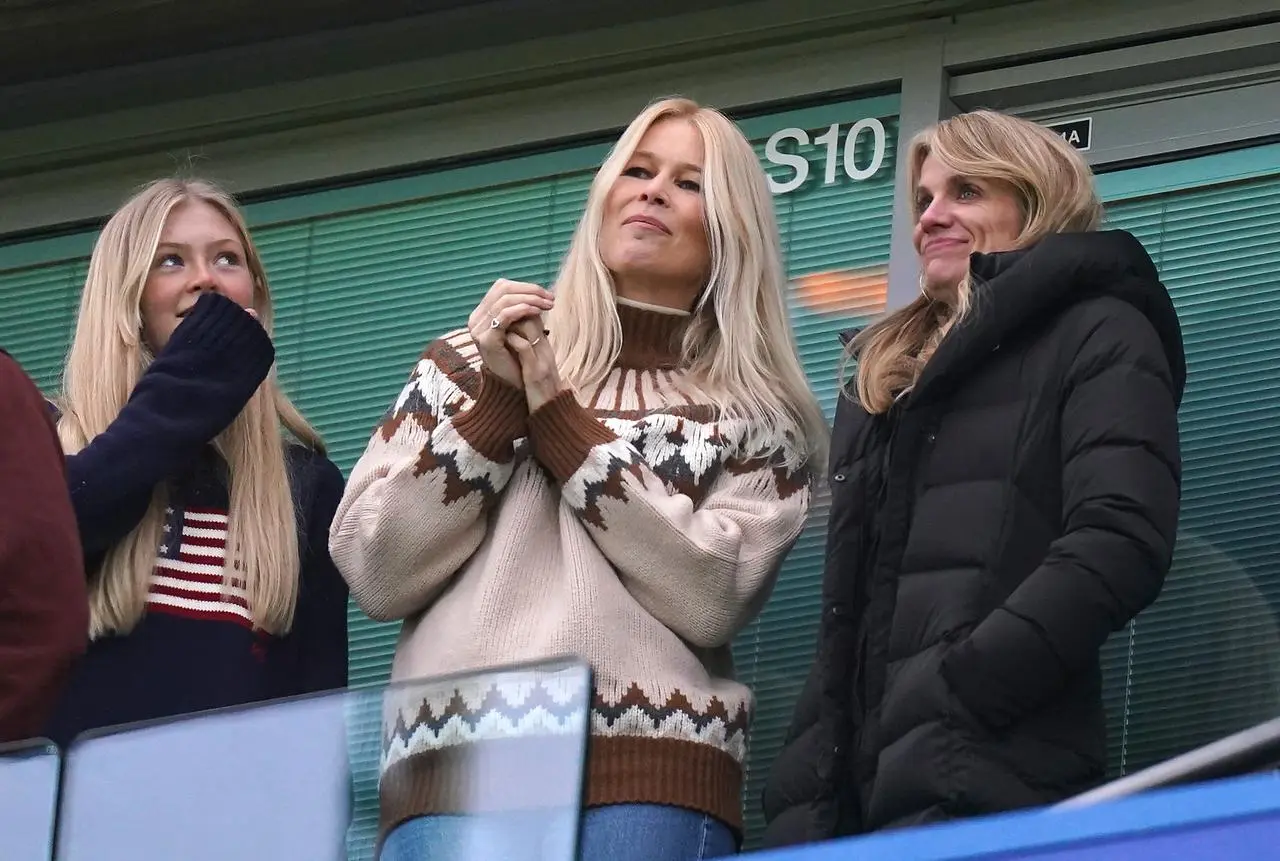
214,362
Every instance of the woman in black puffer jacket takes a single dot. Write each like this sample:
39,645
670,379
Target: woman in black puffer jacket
1005,477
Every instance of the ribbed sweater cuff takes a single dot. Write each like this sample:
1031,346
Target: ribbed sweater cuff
222,330
496,420
563,433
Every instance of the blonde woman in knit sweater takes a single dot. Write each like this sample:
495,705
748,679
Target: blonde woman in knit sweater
615,469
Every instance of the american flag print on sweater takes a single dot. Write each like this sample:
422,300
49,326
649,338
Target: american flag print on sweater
190,576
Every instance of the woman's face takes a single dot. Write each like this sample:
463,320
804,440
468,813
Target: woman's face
199,251
957,216
653,237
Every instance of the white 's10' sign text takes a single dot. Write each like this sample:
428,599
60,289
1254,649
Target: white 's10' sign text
831,140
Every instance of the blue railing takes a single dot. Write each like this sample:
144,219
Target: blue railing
299,779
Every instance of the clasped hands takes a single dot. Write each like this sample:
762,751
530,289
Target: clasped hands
509,332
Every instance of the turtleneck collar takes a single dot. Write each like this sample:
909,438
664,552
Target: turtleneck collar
651,334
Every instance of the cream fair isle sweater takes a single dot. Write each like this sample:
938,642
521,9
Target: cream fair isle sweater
631,529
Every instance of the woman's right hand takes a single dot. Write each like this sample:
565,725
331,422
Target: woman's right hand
509,303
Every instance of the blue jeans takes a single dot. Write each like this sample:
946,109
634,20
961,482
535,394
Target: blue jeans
618,832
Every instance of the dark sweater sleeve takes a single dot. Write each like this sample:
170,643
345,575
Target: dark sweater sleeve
44,608
1121,478
320,623
214,362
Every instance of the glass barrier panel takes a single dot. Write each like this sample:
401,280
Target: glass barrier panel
485,765
28,799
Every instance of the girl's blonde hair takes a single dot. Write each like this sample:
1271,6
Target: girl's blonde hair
739,349
1055,191
108,356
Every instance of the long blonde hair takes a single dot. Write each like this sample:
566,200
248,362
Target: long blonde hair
108,356
1055,191
739,350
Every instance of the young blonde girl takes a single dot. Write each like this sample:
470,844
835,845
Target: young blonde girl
203,496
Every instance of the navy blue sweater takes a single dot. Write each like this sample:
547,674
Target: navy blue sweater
195,648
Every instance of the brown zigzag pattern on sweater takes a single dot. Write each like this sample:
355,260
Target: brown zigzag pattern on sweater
610,487
787,481
677,703
451,363
676,471
417,408
495,702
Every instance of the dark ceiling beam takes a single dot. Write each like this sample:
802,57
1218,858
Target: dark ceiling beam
43,40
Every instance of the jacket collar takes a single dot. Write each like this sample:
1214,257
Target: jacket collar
1014,289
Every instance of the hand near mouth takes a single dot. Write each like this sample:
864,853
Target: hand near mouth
252,312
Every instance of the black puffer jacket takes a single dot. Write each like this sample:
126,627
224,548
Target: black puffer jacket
986,536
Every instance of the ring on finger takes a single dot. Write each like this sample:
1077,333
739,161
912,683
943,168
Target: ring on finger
494,323
535,341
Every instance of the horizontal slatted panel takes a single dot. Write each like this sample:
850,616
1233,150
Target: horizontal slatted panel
288,253
1204,661
287,258
836,238
39,311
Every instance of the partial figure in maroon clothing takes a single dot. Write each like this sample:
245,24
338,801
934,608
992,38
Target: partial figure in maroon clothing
44,611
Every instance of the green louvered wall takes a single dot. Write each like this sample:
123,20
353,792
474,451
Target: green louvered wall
1204,661
37,313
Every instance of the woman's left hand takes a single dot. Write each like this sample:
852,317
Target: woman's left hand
537,362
